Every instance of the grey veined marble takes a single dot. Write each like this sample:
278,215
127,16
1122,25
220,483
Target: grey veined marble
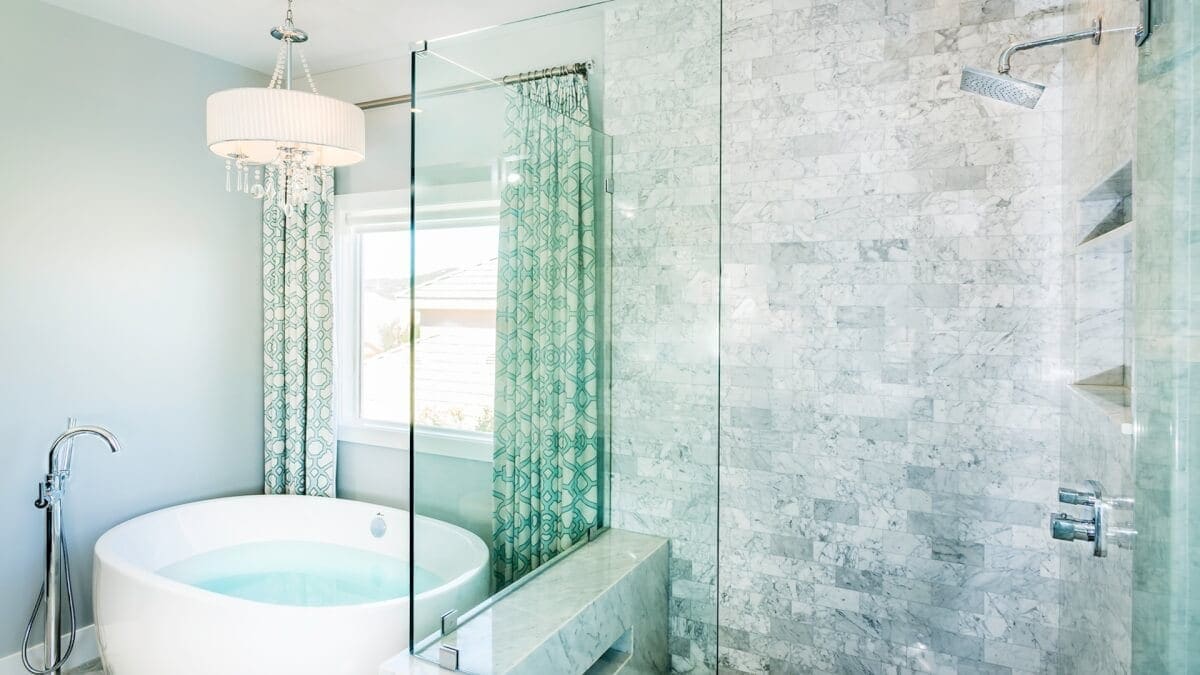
612,592
891,354
92,667
662,107
1099,139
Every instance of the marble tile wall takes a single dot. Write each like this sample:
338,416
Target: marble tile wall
891,358
662,107
1099,134
1095,627
1099,118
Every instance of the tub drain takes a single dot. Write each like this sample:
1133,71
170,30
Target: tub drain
378,526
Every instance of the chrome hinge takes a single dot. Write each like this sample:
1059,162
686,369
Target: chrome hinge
608,185
419,46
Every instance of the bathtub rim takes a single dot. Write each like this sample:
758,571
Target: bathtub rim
104,553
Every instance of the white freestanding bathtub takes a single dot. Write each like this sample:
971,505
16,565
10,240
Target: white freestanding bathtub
150,624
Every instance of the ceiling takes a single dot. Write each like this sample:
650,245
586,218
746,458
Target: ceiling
343,33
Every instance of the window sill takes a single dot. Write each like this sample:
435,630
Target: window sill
468,445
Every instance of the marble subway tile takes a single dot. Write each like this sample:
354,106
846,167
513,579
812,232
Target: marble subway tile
893,288
662,106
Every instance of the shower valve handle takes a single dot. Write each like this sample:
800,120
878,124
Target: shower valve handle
1066,528
1096,528
49,491
1081,497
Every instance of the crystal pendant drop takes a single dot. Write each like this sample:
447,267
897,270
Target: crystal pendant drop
258,192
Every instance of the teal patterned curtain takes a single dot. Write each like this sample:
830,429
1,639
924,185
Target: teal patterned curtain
298,341
545,476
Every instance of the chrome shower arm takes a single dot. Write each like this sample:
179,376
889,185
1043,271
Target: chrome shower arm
1092,34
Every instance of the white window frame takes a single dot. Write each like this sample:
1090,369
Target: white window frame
355,214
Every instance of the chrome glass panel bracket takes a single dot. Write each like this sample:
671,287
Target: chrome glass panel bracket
1146,23
449,622
448,657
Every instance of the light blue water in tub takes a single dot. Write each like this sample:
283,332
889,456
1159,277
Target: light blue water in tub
300,574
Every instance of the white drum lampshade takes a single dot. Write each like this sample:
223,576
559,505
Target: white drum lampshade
253,124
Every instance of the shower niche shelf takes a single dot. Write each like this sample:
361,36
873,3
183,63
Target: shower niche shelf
1107,237
1112,402
1106,210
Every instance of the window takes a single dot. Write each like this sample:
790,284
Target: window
455,277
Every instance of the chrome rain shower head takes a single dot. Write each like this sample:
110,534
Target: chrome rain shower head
1001,87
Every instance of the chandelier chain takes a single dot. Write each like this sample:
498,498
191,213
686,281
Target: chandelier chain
307,73
280,61
283,57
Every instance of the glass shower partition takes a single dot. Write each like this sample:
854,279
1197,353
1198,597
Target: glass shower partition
1166,601
474,160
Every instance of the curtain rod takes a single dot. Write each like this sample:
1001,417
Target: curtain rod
581,68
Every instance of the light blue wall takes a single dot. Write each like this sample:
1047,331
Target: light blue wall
388,154
129,287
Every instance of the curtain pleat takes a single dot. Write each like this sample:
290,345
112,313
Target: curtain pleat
300,447
547,429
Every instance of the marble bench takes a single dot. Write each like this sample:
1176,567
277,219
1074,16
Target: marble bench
601,610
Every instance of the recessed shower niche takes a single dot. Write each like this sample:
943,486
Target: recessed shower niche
1104,284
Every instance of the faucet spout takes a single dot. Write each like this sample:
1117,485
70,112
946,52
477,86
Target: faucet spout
60,465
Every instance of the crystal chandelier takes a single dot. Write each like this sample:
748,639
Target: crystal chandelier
279,134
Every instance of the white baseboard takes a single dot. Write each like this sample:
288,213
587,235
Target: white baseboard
86,649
